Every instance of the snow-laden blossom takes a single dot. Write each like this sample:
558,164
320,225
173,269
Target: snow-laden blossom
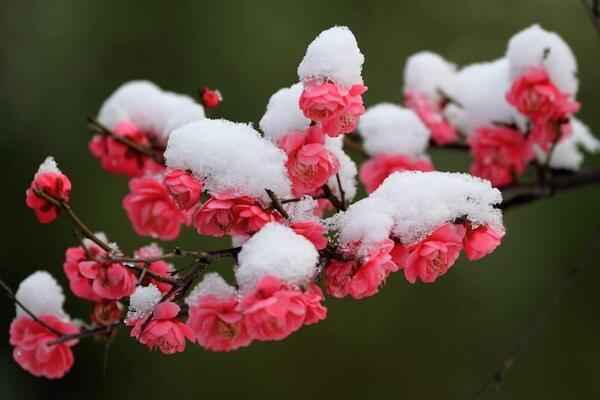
431,257
163,331
151,209
50,180
480,241
374,171
499,154
184,188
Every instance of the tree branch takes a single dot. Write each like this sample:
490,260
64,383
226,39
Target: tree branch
276,204
85,333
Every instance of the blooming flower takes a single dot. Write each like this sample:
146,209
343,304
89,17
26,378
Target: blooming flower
107,312
309,163
118,158
313,298
211,98
431,257
273,310
164,331
50,180
374,171
321,102
347,121
151,209
217,323
481,241
109,280
500,154
158,267
313,231
431,114
360,278
32,351
80,285
184,188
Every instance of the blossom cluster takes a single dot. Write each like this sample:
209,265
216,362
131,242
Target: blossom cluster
283,194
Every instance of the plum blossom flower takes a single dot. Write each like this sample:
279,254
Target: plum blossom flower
273,310
442,132
481,241
374,171
347,121
50,180
80,285
500,153
152,210
309,163
163,331
118,158
184,188
109,280
211,98
218,324
32,352
431,257
313,231
230,215
313,299
158,267
360,278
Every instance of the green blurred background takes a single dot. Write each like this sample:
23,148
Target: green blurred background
60,59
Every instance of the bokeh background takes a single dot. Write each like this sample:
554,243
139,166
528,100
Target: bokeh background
60,59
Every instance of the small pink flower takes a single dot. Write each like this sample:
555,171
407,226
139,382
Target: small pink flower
321,102
218,325
374,171
107,312
151,209
313,299
546,134
80,285
481,241
164,331
159,267
110,281
323,206
118,158
32,351
224,215
184,188
54,184
431,114
313,231
433,256
535,96
309,163
211,98
273,310
500,154
347,120
363,278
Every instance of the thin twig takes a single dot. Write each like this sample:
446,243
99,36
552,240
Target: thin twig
276,204
539,321
341,190
85,333
332,198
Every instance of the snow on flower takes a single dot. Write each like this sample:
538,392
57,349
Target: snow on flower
50,180
142,302
283,115
42,295
231,158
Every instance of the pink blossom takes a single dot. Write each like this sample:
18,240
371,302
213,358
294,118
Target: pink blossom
118,158
431,114
107,312
535,96
500,154
218,325
159,267
80,285
321,102
109,280
309,163
32,351
433,256
226,215
54,184
374,171
151,209
273,310
347,121
184,188
313,231
546,134
211,98
163,331
360,278
313,299
481,241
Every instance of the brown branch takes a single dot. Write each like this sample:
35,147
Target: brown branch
85,333
276,204
459,146
97,127
341,190
352,143
333,199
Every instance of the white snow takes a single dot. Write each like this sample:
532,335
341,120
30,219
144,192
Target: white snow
49,165
388,128
533,47
334,55
427,72
230,157
278,251
347,172
142,302
211,284
42,295
283,114
303,210
149,108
